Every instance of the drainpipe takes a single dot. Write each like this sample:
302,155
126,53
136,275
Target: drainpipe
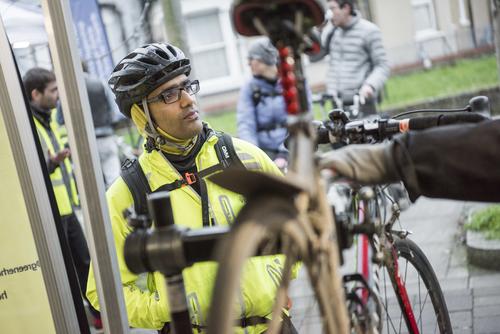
174,22
472,26
496,27
146,28
368,9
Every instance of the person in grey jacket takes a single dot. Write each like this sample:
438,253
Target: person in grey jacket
358,61
261,110
105,115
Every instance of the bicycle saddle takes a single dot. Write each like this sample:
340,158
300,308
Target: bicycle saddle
244,11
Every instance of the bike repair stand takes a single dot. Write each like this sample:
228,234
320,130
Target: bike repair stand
169,249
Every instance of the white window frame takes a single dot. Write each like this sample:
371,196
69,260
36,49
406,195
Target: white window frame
429,33
464,21
233,80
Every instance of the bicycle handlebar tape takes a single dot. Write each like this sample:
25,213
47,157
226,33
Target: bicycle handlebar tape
480,104
160,207
421,123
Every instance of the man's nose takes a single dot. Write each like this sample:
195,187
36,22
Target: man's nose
186,99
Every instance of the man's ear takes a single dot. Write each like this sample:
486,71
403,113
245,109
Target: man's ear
35,95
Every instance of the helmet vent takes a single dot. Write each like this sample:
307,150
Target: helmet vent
148,61
171,49
163,54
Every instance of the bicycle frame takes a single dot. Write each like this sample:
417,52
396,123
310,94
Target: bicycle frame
312,200
379,247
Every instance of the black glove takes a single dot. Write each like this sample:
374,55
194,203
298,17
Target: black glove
365,164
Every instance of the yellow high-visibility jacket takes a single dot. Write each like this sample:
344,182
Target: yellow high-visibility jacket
62,178
148,308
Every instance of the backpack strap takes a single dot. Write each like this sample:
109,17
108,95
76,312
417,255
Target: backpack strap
225,151
256,94
137,183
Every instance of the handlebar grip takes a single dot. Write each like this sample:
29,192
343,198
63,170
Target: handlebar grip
480,104
420,123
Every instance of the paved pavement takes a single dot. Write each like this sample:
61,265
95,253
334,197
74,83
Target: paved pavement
472,294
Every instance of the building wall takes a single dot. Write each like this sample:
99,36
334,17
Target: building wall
398,38
409,38
481,13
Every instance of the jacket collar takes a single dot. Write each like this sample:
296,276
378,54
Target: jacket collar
354,20
42,115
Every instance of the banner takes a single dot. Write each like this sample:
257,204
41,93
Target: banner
91,37
24,305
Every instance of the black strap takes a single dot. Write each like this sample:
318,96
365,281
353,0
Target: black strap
257,95
137,183
226,153
205,214
243,322
270,126
251,321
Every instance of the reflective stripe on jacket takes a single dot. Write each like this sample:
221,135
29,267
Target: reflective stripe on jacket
63,181
147,306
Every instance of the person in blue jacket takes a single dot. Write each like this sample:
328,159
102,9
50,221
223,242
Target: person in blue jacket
261,110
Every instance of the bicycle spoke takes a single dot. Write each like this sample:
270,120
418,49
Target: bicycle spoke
426,309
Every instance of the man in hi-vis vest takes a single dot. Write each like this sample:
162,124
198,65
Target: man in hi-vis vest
41,87
153,88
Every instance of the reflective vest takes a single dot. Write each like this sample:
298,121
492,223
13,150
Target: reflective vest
147,307
63,181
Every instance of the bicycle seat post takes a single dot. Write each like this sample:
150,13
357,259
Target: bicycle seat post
160,207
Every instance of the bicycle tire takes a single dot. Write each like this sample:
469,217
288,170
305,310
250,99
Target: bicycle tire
430,319
267,223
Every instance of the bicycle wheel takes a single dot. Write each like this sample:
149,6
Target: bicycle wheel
410,293
265,224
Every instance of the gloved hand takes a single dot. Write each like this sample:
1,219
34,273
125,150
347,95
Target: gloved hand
365,164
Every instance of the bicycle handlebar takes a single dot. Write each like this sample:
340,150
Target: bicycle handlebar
425,122
363,131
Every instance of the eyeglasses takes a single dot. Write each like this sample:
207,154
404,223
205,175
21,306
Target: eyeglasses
172,95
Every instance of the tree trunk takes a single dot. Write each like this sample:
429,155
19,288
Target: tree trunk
174,23
496,29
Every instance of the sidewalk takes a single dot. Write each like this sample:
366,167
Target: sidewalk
472,294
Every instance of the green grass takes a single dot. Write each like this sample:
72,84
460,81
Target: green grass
440,81
224,121
465,75
486,220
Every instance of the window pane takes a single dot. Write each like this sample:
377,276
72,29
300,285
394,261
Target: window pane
423,17
203,30
211,64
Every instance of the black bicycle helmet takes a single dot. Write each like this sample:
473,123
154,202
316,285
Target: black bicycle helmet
145,69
